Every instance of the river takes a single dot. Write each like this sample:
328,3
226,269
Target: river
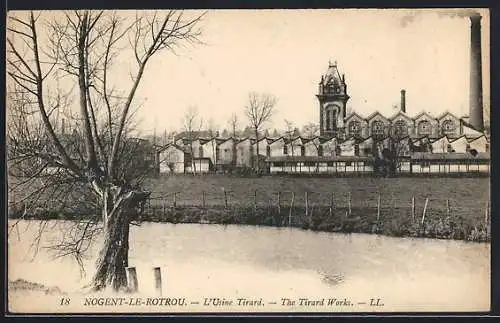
278,266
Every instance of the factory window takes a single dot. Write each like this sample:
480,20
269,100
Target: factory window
320,150
356,150
309,163
328,120
400,128
285,150
448,127
355,128
377,128
425,164
302,150
329,164
424,128
348,163
278,164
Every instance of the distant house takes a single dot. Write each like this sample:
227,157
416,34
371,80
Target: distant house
459,145
199,165
357,126
450,163
479,144
278,147
449,125
441,145
263,144
227,151
401,125
244,154
329,146
171,159
366,147
208,149
348,147
312,147
295,146
320,164
379,126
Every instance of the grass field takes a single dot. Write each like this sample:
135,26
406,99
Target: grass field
466,196
456,208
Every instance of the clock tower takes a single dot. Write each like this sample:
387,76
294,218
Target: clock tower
332,97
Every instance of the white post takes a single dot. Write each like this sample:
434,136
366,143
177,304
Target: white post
425,209
378,208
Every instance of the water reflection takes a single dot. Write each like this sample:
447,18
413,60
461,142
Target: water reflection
228,261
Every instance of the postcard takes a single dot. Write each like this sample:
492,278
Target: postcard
248,161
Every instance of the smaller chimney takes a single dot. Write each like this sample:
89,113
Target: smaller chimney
403,101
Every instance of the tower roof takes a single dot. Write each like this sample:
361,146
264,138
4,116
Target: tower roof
332,75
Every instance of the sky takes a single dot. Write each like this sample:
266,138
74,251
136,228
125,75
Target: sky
285,52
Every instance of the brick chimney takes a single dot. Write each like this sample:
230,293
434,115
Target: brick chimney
403,101
476,80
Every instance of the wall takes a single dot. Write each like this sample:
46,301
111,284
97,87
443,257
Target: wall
243,154
173,156
226,150
210,150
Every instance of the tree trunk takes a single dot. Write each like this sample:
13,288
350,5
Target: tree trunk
257,150
113,257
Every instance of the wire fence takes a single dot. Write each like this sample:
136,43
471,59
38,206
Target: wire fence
414,206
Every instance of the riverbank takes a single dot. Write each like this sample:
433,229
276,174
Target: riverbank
394,221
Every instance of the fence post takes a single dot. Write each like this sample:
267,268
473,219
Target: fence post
164,207
175,199
447,207
425,209
413,208
307,205
486,211
331,205
279,203
291,207
255,200
311,216
157,274
203,198
349,204
132,282
378,207
225,197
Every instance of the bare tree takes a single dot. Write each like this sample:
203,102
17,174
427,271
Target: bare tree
213,134
233,124
311,132
289,135
192,126
289,129
82,46
259,110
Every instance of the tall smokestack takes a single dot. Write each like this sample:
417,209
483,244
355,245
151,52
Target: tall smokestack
476,78
403,101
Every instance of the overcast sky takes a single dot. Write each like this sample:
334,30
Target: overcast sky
285,52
